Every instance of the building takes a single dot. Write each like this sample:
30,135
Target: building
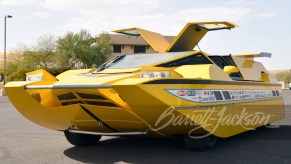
125,44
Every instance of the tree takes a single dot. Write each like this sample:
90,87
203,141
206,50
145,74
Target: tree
16,68
103,48
82,48
59,55
42,54
25,59
284,76
65,51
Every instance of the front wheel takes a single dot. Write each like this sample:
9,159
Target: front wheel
199,144
81,139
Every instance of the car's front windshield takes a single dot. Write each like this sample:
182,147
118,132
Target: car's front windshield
138,60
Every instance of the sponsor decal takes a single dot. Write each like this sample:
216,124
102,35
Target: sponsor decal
182,93
196,95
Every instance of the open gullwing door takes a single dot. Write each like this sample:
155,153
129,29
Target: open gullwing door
187,39
155,40
192,33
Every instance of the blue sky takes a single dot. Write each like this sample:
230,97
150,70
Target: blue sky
265,25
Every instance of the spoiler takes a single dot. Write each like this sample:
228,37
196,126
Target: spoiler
262,54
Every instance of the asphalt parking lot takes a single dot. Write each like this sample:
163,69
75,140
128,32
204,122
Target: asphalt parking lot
24,142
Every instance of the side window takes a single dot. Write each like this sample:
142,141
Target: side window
219,61
189,60
229,60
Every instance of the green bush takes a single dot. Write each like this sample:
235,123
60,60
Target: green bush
284,76
20,74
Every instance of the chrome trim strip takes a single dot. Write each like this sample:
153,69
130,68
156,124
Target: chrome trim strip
109,134
68,86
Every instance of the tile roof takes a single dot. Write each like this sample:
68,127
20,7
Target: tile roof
132,40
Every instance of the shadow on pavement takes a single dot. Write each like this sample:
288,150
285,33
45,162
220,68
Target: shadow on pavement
264,145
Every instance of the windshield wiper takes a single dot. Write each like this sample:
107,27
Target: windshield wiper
110,62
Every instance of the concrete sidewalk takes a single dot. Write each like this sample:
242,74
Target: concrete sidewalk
4,99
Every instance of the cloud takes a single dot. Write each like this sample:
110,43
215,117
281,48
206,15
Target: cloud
215,13
265,15
242,2
158,21
88,7
18,2
111,14
101,15
41,14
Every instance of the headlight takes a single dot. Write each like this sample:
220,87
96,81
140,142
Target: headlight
155,74
36,77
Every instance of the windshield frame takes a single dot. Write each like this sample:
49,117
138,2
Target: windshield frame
148,59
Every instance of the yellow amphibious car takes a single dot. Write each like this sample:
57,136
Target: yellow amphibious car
174,92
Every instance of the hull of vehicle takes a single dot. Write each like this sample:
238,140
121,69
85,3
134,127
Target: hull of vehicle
174,107
80,109
159,107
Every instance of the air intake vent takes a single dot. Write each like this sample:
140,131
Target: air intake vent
70,103
67,96
91,96
102,103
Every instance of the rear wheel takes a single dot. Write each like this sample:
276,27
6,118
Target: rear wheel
199,144
81,139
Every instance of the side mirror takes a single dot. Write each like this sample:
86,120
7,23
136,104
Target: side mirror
230,69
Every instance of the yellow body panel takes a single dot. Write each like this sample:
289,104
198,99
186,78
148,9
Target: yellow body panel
74,72
126,70
33,110
55,116
206,71
185,40
151,101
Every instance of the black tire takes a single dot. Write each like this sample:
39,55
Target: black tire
81,139
199,144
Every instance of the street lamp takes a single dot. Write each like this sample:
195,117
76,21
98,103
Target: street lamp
6,16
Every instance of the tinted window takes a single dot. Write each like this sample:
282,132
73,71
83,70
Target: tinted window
139,49
234,76
218,61
229,60
137,60
189,60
